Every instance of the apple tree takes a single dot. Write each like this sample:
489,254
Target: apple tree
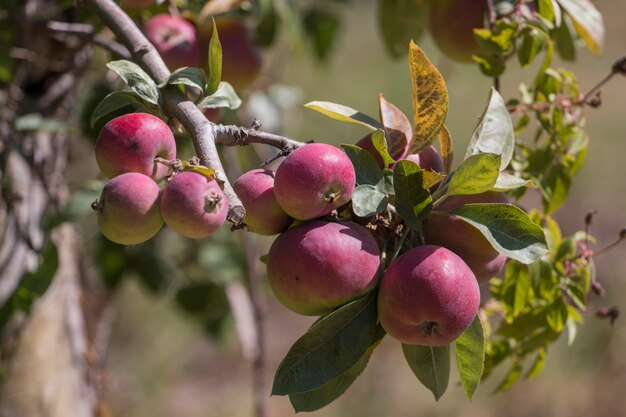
397,234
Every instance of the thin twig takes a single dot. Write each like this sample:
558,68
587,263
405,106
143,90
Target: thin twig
88,31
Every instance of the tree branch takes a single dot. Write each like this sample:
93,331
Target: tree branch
87,31
175,103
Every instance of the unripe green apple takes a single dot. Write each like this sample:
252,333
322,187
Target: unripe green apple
428,296
451,24
128,209
263,213
193,205
129,143
318,266
175,39
464,239
314,180
241,58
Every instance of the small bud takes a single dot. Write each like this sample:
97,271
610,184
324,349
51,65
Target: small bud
589,217
611,313
597,288
595,101
622,234
620,66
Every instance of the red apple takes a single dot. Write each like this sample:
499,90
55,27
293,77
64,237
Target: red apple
451,24
318,266
314,180
129,143
428,296
175,39
464,239
128,209
428,159
241,58
193,205
263,213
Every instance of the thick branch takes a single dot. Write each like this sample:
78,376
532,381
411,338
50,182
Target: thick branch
175,103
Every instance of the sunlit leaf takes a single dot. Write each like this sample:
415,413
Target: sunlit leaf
430,99
588,22
137,79
398,130
344,114
477,174
431,365
470,356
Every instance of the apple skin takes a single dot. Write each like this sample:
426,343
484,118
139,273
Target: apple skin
451,24
464,239
175,39
428,296
129,143
241,58
318,266
263,213
193,205
128,209
427,159
314,180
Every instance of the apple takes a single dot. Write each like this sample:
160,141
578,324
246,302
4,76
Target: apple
428,159
263,213
175,39
129,143
241,58
318,266
428,296
193,204
314,180
464,239
451,24
128,209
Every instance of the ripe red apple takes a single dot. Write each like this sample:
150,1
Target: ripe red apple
464,239
175,39
428,296
318,266
451,24
193,205
241,58
263,213
129,143
128,209
428,159
314,180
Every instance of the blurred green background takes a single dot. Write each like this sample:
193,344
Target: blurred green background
161,363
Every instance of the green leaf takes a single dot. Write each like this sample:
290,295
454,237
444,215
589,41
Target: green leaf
322,26
500,41
556,188
588,22
225,96
314,360
333,389
557,315
470,356
508,228
215,62
380,144
538,364
477,174
564,39
365,166
516,288
507,182
494,133
531,44
431,365
344,114
114,101
413,201
430,99
489,65
386,182
401,21
137,79
189,76
368,200
511,377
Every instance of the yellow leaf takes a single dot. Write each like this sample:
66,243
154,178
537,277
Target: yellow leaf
445,144
200,169
430,99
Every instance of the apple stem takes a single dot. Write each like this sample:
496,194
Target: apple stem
97,206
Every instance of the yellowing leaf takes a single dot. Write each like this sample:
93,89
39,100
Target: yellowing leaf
430,99
445,144
587,21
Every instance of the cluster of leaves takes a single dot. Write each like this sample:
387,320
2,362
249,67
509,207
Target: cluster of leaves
209,90
312,374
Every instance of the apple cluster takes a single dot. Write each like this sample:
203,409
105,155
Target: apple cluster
321,261
183,44
132,207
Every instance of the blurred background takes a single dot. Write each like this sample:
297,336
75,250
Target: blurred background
161,363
